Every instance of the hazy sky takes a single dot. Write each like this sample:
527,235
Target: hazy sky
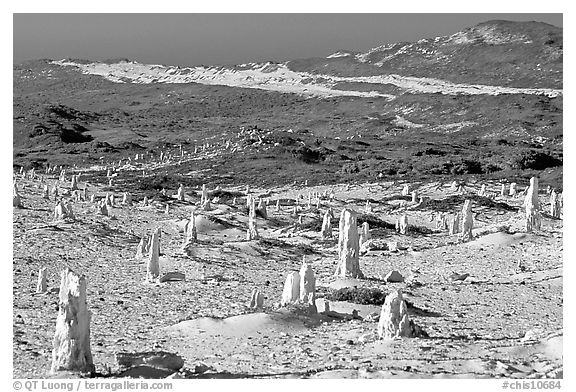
192,39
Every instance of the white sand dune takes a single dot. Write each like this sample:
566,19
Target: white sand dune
280,78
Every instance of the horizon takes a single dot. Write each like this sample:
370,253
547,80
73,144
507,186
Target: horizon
226,39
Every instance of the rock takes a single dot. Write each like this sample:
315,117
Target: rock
415,197
153,266
172,277
42,287
256,300
368,338
394,277
456,276
467,221
392,246
71,343
372,317
291,293
348,246
157,359
278,205
394,321
368,246
532,207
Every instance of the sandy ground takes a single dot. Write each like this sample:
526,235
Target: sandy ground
503,320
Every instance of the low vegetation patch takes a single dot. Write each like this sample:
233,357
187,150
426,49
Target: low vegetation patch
362,296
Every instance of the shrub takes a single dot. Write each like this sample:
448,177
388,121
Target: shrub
362,296
535,160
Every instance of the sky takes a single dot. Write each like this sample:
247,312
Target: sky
210,39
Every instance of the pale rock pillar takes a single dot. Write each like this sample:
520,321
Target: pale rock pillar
142,248
513,189
414,197
307,285
262,209
60,211
467,221
205,199
16,199
256,300
394,321
453,224
191,232
127,199
103,209
365,233
291,292
74,183
348,246
42,287
402,226
482,191
326,231
406,190
555,204
368,207
181,196
153,266
252,233
71,343
532,207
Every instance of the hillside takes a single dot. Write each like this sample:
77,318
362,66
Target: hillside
403,100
